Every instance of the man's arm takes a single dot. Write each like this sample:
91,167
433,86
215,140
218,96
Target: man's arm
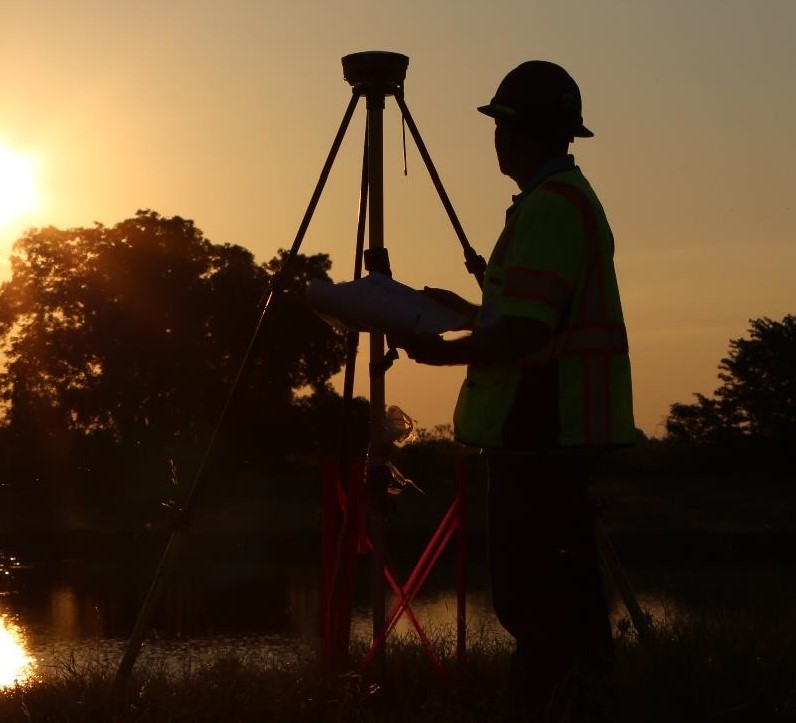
508,339
455,303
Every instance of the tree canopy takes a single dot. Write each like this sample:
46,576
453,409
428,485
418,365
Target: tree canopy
121,344
757,395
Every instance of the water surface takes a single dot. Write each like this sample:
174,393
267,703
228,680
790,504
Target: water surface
265,606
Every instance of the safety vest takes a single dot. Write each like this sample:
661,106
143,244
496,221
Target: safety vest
553,262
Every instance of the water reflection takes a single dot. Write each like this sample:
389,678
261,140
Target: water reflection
436,613
17,667
63,638
65,613
262,607
9,564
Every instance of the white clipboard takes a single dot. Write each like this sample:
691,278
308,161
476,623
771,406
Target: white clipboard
379,303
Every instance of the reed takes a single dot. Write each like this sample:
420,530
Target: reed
728,665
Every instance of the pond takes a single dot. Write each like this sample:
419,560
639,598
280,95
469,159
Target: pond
260,600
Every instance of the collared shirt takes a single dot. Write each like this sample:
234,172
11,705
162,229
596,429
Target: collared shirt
553,166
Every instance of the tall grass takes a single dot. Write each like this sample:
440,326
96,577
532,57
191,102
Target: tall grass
724,665
727,665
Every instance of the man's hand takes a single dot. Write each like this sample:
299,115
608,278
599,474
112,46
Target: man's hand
508,340
455,303
422,348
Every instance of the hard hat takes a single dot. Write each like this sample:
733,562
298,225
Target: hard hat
539,96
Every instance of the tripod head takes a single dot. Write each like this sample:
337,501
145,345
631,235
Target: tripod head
375,71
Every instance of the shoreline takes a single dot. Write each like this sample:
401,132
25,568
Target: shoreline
686,548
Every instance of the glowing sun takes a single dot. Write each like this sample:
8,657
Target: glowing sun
16,666
17,186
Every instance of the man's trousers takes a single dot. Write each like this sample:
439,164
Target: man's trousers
546,584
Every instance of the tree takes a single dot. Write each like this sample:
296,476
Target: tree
121,344
757,396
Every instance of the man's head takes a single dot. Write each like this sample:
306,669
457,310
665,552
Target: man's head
537,112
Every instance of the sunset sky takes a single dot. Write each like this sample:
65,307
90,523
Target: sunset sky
223,112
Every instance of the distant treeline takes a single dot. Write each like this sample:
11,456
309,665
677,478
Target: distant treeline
747,428
745,461
121,345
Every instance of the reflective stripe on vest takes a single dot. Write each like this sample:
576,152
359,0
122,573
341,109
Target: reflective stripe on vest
591,337
549,288
597,340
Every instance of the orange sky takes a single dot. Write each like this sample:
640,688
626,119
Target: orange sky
224,112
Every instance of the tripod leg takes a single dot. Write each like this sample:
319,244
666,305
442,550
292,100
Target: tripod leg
337,615
316,195
352,338
177,538
162,574
475,264
614,568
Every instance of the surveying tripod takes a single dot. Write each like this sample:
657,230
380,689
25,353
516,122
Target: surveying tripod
375,76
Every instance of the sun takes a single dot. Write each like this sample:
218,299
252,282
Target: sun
17,186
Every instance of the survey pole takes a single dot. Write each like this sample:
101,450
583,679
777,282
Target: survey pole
375,127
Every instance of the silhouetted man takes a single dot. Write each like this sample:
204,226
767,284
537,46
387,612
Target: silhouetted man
547,388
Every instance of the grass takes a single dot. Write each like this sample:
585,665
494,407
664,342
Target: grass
724,665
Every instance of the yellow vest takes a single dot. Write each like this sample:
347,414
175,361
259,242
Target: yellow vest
553,262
